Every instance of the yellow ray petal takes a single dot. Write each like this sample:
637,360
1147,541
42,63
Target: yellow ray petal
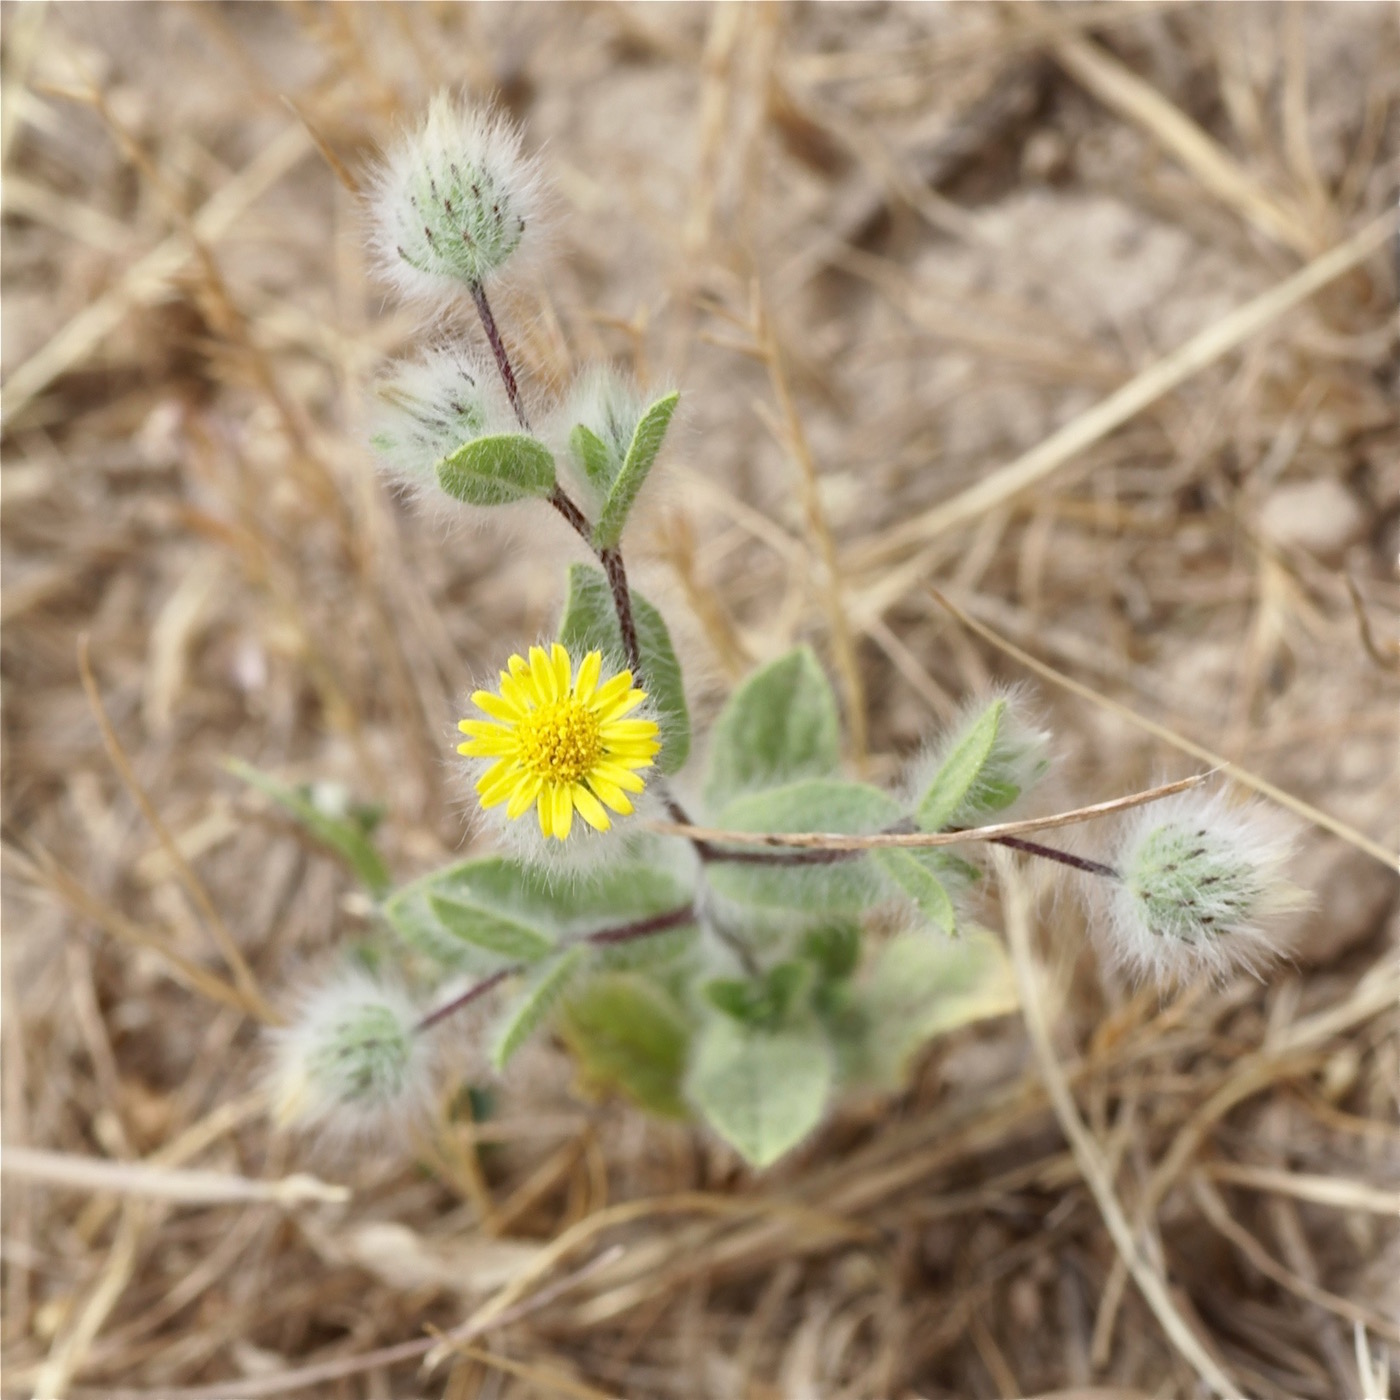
624,729
524,795
611,794
588,672
542,674
611,688
561,799
589,808
518,692
622,777
502,747
619,707
493,704
563,668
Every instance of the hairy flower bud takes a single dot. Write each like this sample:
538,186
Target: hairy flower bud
351,1061
1197,880
429,408
453,202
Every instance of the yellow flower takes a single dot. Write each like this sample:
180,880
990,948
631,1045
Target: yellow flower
560,741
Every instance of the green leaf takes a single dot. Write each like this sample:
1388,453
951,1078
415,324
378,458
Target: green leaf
344,834
646,443
849,885
590,624
834,949
526,895
959,770
545,986
780,725
920,987
493,471
761,1001
920,883
628,1034
492,933
761,1091
596,458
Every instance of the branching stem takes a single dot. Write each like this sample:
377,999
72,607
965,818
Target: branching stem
611,560
602,938
498,349
1081,863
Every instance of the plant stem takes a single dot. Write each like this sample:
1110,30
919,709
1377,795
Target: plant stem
1034,848
641,928
616,571
603,938
498,349
478,989
611,560
564,504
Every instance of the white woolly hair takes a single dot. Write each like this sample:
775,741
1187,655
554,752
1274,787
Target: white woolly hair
608,402
585,849
308,1092
1200,880
428,407
454,200
1021,752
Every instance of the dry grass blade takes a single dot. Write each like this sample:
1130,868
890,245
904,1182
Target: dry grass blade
256,1004
156,1183
885,840
1321,1190
150,277
1040,345
543,1380
1233,770
823,544
40,868
1120,88
1017,909
1145,388
1218,1213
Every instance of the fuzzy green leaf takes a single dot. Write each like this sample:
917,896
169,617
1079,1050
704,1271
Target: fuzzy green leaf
646,443
846,886
920,883
960,771
833,949
628,1034
496,470
590,624
545,986
345,835
595,457
492,933
526,895
920,987
761,1091
761,1001
780,725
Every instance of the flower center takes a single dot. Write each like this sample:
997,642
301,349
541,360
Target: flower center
560,741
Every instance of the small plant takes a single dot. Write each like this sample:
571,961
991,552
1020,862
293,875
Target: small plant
746,980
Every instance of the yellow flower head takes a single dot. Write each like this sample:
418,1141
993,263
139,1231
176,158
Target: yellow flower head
560,741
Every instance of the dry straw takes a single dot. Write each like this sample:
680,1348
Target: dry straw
1067,312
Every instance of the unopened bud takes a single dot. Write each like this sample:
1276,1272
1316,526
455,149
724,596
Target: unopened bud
454,200
1198,880
351,1060
429,408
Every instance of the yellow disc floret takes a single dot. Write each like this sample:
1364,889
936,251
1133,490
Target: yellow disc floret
560,742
